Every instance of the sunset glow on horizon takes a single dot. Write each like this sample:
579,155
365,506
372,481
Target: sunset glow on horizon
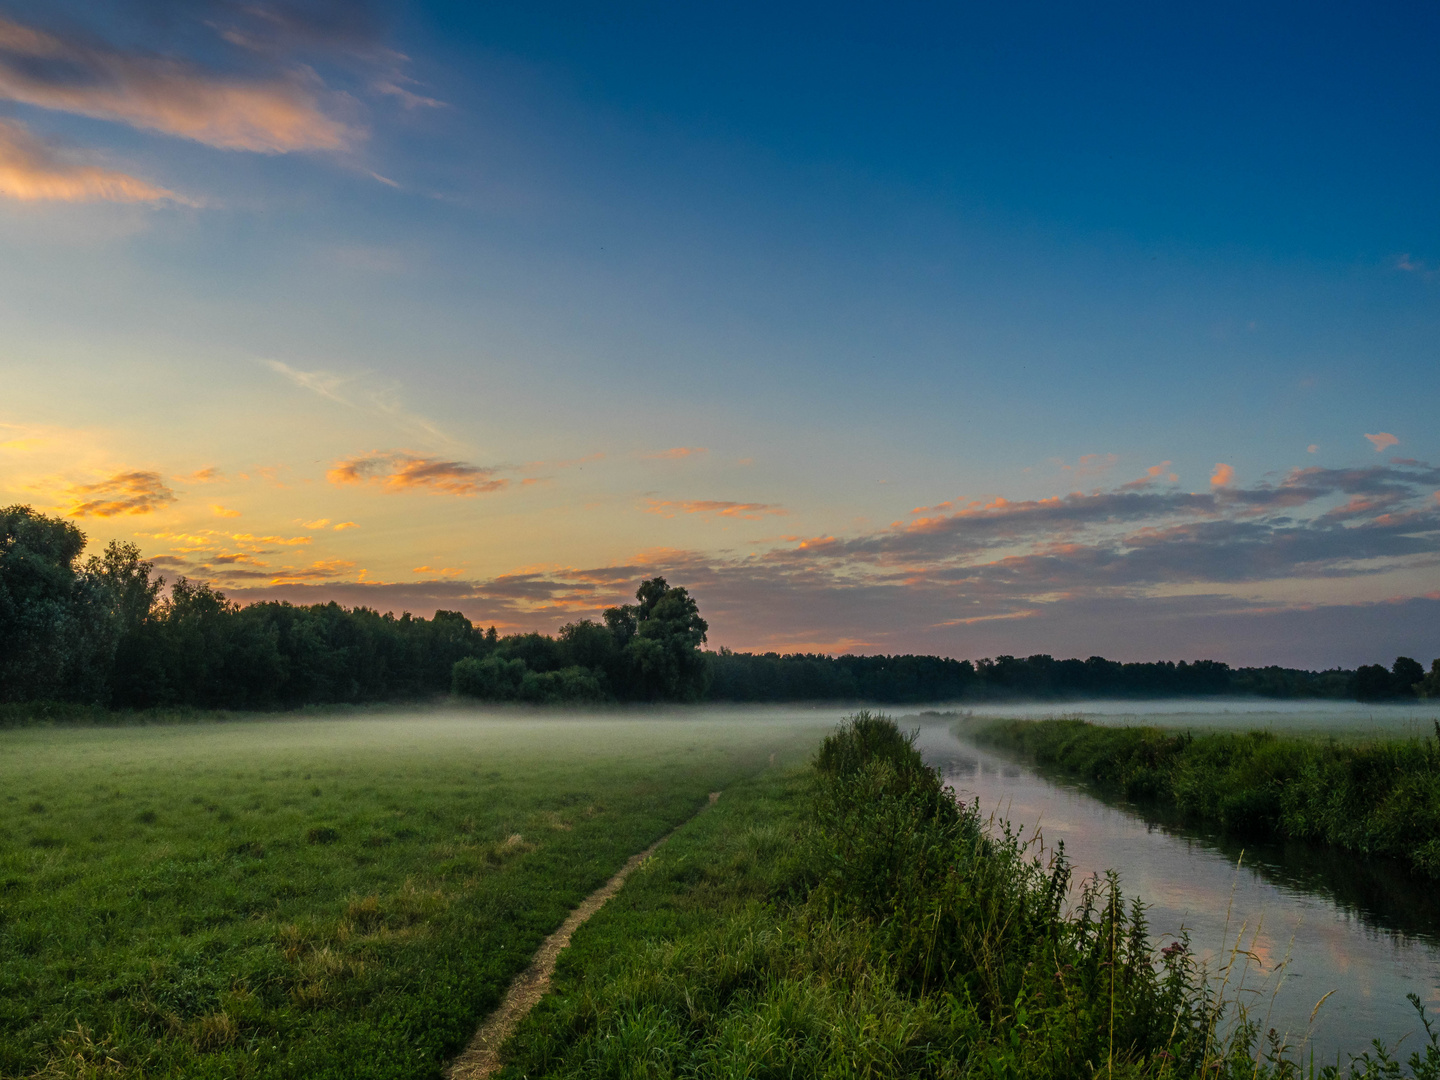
901,330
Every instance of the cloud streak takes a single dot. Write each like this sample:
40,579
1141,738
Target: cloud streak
273,115
123,493
381,401
746,510
401,470
33,171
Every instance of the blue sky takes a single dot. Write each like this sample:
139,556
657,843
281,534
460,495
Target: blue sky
546,298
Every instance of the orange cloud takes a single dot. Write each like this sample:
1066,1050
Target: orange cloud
123,493
251,538
237,558
1152,474
320,570
748,511
31,171
1091,464
207,475
1312,449
318,523
345,525
1381,440
675,453
225,512
154,93
400,470
1222,475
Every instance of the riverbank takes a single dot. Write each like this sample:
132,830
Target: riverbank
853,921
1374,797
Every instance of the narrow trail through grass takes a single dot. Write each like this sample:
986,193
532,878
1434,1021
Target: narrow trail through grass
482,1057
328,899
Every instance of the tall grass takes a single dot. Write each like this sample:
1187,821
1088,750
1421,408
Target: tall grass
855,922
1378,797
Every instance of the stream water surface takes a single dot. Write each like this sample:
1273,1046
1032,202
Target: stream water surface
1314,920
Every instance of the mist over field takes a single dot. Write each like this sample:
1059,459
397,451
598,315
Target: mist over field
719,540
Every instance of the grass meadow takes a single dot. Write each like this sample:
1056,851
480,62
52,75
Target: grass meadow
339,897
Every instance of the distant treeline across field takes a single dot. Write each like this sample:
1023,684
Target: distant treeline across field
105,631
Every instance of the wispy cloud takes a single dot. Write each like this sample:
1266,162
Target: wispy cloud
33,171
1091,464
123,493
321,569
325,383
748,511
223,511
1153,474
1223,476
360,392
1419,267
401,470
1382,440
275,114
217,541
675,453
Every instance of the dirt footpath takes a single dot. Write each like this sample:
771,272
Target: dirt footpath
482,1057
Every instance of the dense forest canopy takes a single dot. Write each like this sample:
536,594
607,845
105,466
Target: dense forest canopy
106,630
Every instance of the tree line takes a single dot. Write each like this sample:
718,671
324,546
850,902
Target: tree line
772,676
105,630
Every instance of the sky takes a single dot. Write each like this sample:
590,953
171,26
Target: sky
945,328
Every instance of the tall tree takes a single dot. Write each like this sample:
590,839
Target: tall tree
57,625
661,653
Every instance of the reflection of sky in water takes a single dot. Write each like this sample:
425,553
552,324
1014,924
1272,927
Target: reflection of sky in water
1189,883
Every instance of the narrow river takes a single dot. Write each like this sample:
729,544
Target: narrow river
1315,921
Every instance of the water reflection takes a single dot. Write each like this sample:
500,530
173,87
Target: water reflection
1314,919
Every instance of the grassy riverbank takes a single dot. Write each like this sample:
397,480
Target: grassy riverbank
336,898
853,922
1375,797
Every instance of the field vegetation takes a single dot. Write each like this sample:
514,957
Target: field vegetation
853,921
313,898
1370,797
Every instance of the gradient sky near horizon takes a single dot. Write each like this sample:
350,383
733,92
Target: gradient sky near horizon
953,328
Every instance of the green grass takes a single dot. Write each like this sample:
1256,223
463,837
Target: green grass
850,921
1365,796
313,898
